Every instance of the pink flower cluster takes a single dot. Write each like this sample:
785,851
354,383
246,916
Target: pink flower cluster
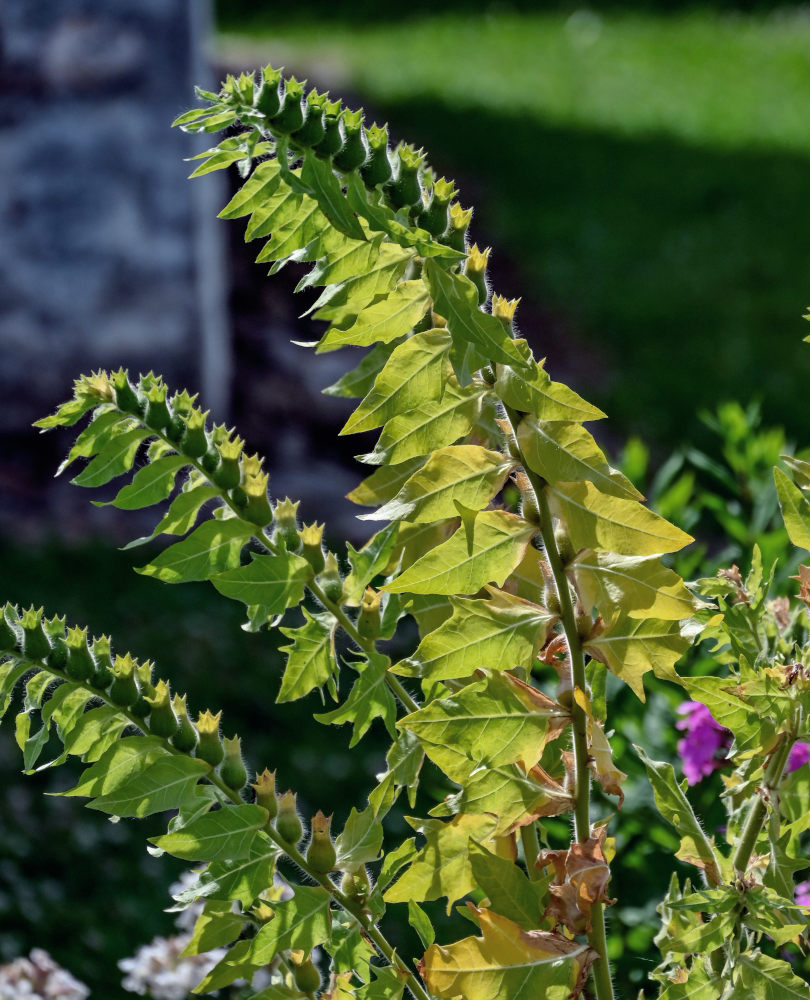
705,743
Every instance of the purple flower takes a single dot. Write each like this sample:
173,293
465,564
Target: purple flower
704,745
799,755
802,893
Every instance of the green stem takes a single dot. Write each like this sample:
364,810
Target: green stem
531,848
579,719
758,812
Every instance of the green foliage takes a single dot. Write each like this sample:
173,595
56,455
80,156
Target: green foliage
507,607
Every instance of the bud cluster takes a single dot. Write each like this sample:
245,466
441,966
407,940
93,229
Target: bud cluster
122,681
217,450
280,109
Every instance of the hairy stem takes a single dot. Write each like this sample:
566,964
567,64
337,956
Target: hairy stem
579,720
758,812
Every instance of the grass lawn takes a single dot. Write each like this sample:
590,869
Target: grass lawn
646,176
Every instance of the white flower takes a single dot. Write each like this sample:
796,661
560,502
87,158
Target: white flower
38,977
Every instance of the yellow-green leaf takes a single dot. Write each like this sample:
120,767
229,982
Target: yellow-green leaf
795,510
411,376
498,545
464,473
597,520
442,867
502,633
534,392
383,320
563,451
632,646
507,963
636,586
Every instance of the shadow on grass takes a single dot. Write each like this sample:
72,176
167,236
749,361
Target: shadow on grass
664,278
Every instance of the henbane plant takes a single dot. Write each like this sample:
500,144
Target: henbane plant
520,615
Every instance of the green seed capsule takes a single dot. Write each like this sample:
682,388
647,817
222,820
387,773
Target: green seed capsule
286,518
162,720
377,168
330,580
210,461
354,153
80,664
368,621
209,747
195,440
356,885
176,429
265,788
332,141
290,116
102,655
267,99
232,770
157,415
35,645
124,688
185,739
321,854
58,656
288,822
313,129
306,976
563,542
126,398
405,189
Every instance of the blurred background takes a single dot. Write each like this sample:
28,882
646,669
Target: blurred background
642,171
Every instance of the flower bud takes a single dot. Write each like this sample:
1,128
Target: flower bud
265,788
162,720
306,976
185,739
562,540
353,154
35,645
102,654
257,509
459,223
475,268
368,621
356,885
288,822
435,218
312,548
126,399
195,440
330,580
332,141
405,190
157,415
267,99
321,854
290,116
504,310
209,748
232,770
286,518
143,677
313,130
377,168
124,689
80,665
227,473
